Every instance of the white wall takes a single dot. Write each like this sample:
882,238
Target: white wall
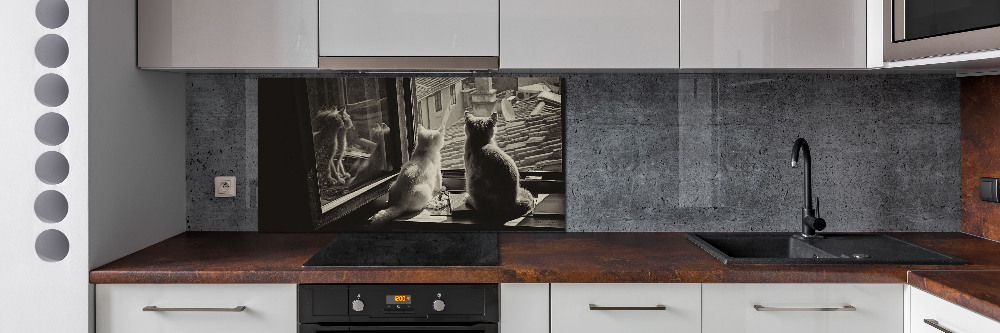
125,150
36,295
137,184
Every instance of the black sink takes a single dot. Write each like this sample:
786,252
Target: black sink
787,248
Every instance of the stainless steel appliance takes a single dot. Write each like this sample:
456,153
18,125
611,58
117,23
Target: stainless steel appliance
470,308
927,28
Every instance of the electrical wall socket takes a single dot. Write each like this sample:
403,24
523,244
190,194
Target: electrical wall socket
225,186
988,189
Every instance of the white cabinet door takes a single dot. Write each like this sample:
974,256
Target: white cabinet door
270,308
774,34
793,308
227,34
524,308
589,34
951,317
409,28
626,307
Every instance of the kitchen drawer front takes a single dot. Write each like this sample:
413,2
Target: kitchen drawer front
269,308
409,28
571,307
729,308
948,315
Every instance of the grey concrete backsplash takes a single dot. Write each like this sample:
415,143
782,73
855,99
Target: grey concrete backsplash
681,152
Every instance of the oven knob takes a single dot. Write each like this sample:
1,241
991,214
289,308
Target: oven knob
438,305
358,305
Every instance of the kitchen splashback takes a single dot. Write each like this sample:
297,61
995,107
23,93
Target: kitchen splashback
680,152
980,113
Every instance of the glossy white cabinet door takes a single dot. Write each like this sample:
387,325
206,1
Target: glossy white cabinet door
572,311
227,34
773,34
408,28
589,34
948,315
729,308
270,308
524,308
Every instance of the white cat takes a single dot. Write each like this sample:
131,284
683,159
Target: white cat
419,179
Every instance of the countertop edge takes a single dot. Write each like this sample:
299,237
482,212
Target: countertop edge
936,283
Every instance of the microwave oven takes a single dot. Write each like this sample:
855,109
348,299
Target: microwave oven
915,29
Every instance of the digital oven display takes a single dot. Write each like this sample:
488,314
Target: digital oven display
397,299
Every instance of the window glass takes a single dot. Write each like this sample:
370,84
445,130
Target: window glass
437,101
351,122
928,18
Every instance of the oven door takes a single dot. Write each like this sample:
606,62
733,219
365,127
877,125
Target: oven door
473,328
927,28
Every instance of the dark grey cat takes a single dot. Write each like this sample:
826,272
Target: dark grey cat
491,177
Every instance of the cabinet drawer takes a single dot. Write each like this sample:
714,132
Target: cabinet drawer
949,316
729,308
627,307
269,308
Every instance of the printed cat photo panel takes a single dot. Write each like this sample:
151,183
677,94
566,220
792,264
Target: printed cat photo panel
411,154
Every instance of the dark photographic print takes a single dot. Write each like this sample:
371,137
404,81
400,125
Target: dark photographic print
417,154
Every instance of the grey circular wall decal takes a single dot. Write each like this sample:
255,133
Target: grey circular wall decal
52,13
51,206
51,90
51,51
52,168
51,129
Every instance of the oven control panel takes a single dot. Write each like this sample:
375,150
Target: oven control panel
410,299
388,303
399,303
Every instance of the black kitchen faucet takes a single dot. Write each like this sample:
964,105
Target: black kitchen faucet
810,222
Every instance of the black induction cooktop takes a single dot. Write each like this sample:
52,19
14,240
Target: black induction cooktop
409,249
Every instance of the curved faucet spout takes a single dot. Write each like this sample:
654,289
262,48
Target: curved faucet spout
803,146
810,222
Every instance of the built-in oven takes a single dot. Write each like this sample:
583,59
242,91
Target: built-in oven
927,28
466,308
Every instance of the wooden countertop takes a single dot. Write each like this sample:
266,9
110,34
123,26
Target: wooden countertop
978,291
249,257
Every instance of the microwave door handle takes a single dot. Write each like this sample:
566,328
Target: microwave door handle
898,19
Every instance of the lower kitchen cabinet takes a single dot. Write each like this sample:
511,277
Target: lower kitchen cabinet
626,307
930,314
524,308
196,308
802,308
570,307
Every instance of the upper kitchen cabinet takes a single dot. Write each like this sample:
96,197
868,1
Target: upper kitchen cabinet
589,34
780,34
409,34
220,34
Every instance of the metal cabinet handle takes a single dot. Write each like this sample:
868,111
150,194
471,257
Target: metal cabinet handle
935,324
233,309
630,308
759,307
